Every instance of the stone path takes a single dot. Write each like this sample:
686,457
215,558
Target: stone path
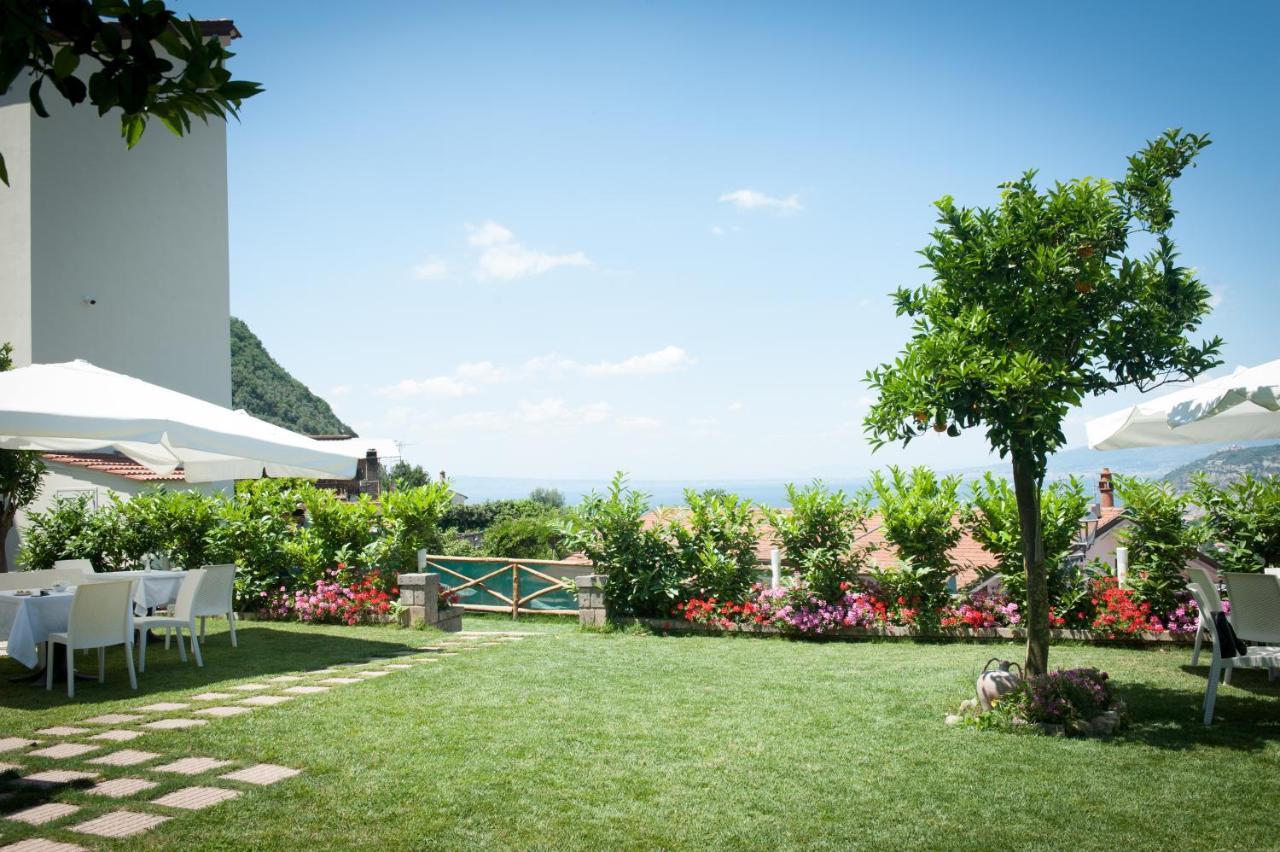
76,757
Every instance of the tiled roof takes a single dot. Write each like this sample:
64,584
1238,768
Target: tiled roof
114,464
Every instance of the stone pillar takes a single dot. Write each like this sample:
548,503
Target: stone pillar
420,595
591,608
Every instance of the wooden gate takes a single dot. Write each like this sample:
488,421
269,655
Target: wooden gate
517,586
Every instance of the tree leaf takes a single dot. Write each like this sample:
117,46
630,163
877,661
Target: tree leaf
4,172
66,62
36,103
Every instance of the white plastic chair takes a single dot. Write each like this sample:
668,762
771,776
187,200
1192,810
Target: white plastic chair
1200,577
215,597
84,566
1255,606
181,616
101,616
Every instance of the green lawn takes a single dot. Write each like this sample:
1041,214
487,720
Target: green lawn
594,741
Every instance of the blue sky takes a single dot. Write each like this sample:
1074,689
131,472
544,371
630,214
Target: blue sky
554,240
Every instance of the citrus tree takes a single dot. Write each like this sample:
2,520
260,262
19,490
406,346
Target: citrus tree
140,59
1036,303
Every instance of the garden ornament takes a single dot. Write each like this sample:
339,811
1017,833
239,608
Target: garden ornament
994,683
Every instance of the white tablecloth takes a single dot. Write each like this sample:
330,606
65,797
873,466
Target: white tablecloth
154,588
27,622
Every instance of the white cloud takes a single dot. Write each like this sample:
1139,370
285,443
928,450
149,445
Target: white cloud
488,234
669,359
750,199
430,270
340,390
1216,295
437,387
736,407
484,372
505,259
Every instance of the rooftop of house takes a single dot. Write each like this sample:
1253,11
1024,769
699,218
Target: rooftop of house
114,464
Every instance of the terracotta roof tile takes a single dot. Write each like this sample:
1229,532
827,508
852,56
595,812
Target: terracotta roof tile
114,464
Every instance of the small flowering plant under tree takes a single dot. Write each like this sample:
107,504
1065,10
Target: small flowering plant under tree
1077,701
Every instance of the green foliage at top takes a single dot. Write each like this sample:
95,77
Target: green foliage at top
549,497
524,538
277,531
263,388
917,514
20,475
820,536
992,520
147,62
1039,302
405,475
610,530
1242,520
1159,541
714,544
478,517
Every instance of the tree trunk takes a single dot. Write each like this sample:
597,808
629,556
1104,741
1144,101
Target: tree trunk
1026,489
6,523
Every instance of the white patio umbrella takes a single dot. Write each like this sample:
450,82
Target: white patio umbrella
1244,406
76,407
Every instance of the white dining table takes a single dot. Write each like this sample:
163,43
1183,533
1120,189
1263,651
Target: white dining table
27,620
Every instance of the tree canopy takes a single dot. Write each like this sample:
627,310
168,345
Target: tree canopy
147,62
1046,298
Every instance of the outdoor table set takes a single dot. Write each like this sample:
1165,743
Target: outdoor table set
89,610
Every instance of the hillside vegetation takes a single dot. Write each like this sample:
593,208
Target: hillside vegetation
265,389
1226,466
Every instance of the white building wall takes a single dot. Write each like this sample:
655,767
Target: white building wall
141,232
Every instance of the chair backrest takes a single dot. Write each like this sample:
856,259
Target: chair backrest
216,590
187,593
1255,606
1206,620
1208,586
101,614
43,578
84,566
1274,572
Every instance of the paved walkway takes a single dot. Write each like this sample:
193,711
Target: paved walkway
139,789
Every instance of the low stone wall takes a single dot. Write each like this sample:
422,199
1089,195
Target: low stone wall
420,597
591,609
995,634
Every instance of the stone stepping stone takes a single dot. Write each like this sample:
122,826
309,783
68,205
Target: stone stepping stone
9,767
397,666
339,681
192,765
120,788
124,757
113,719
120,824
15,743
222,712
284,679
372,673
40,844
212,696
265,700
41,814
58,776
329,670
175,724
196,798
117,736
63,731
306,690
262,774
250,687
163,707
62,751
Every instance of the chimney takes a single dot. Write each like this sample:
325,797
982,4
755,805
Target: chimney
443,478
1105,489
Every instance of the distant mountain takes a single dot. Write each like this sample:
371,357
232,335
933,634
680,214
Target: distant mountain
1226,466
263,388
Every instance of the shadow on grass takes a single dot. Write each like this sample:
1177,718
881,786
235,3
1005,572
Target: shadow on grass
263,651
19,796
1246,714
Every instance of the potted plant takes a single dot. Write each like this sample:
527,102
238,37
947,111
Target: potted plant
448,610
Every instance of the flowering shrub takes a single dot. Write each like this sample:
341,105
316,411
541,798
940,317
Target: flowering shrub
333,599
982,611
713,612
1062,697
447,597
797,609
